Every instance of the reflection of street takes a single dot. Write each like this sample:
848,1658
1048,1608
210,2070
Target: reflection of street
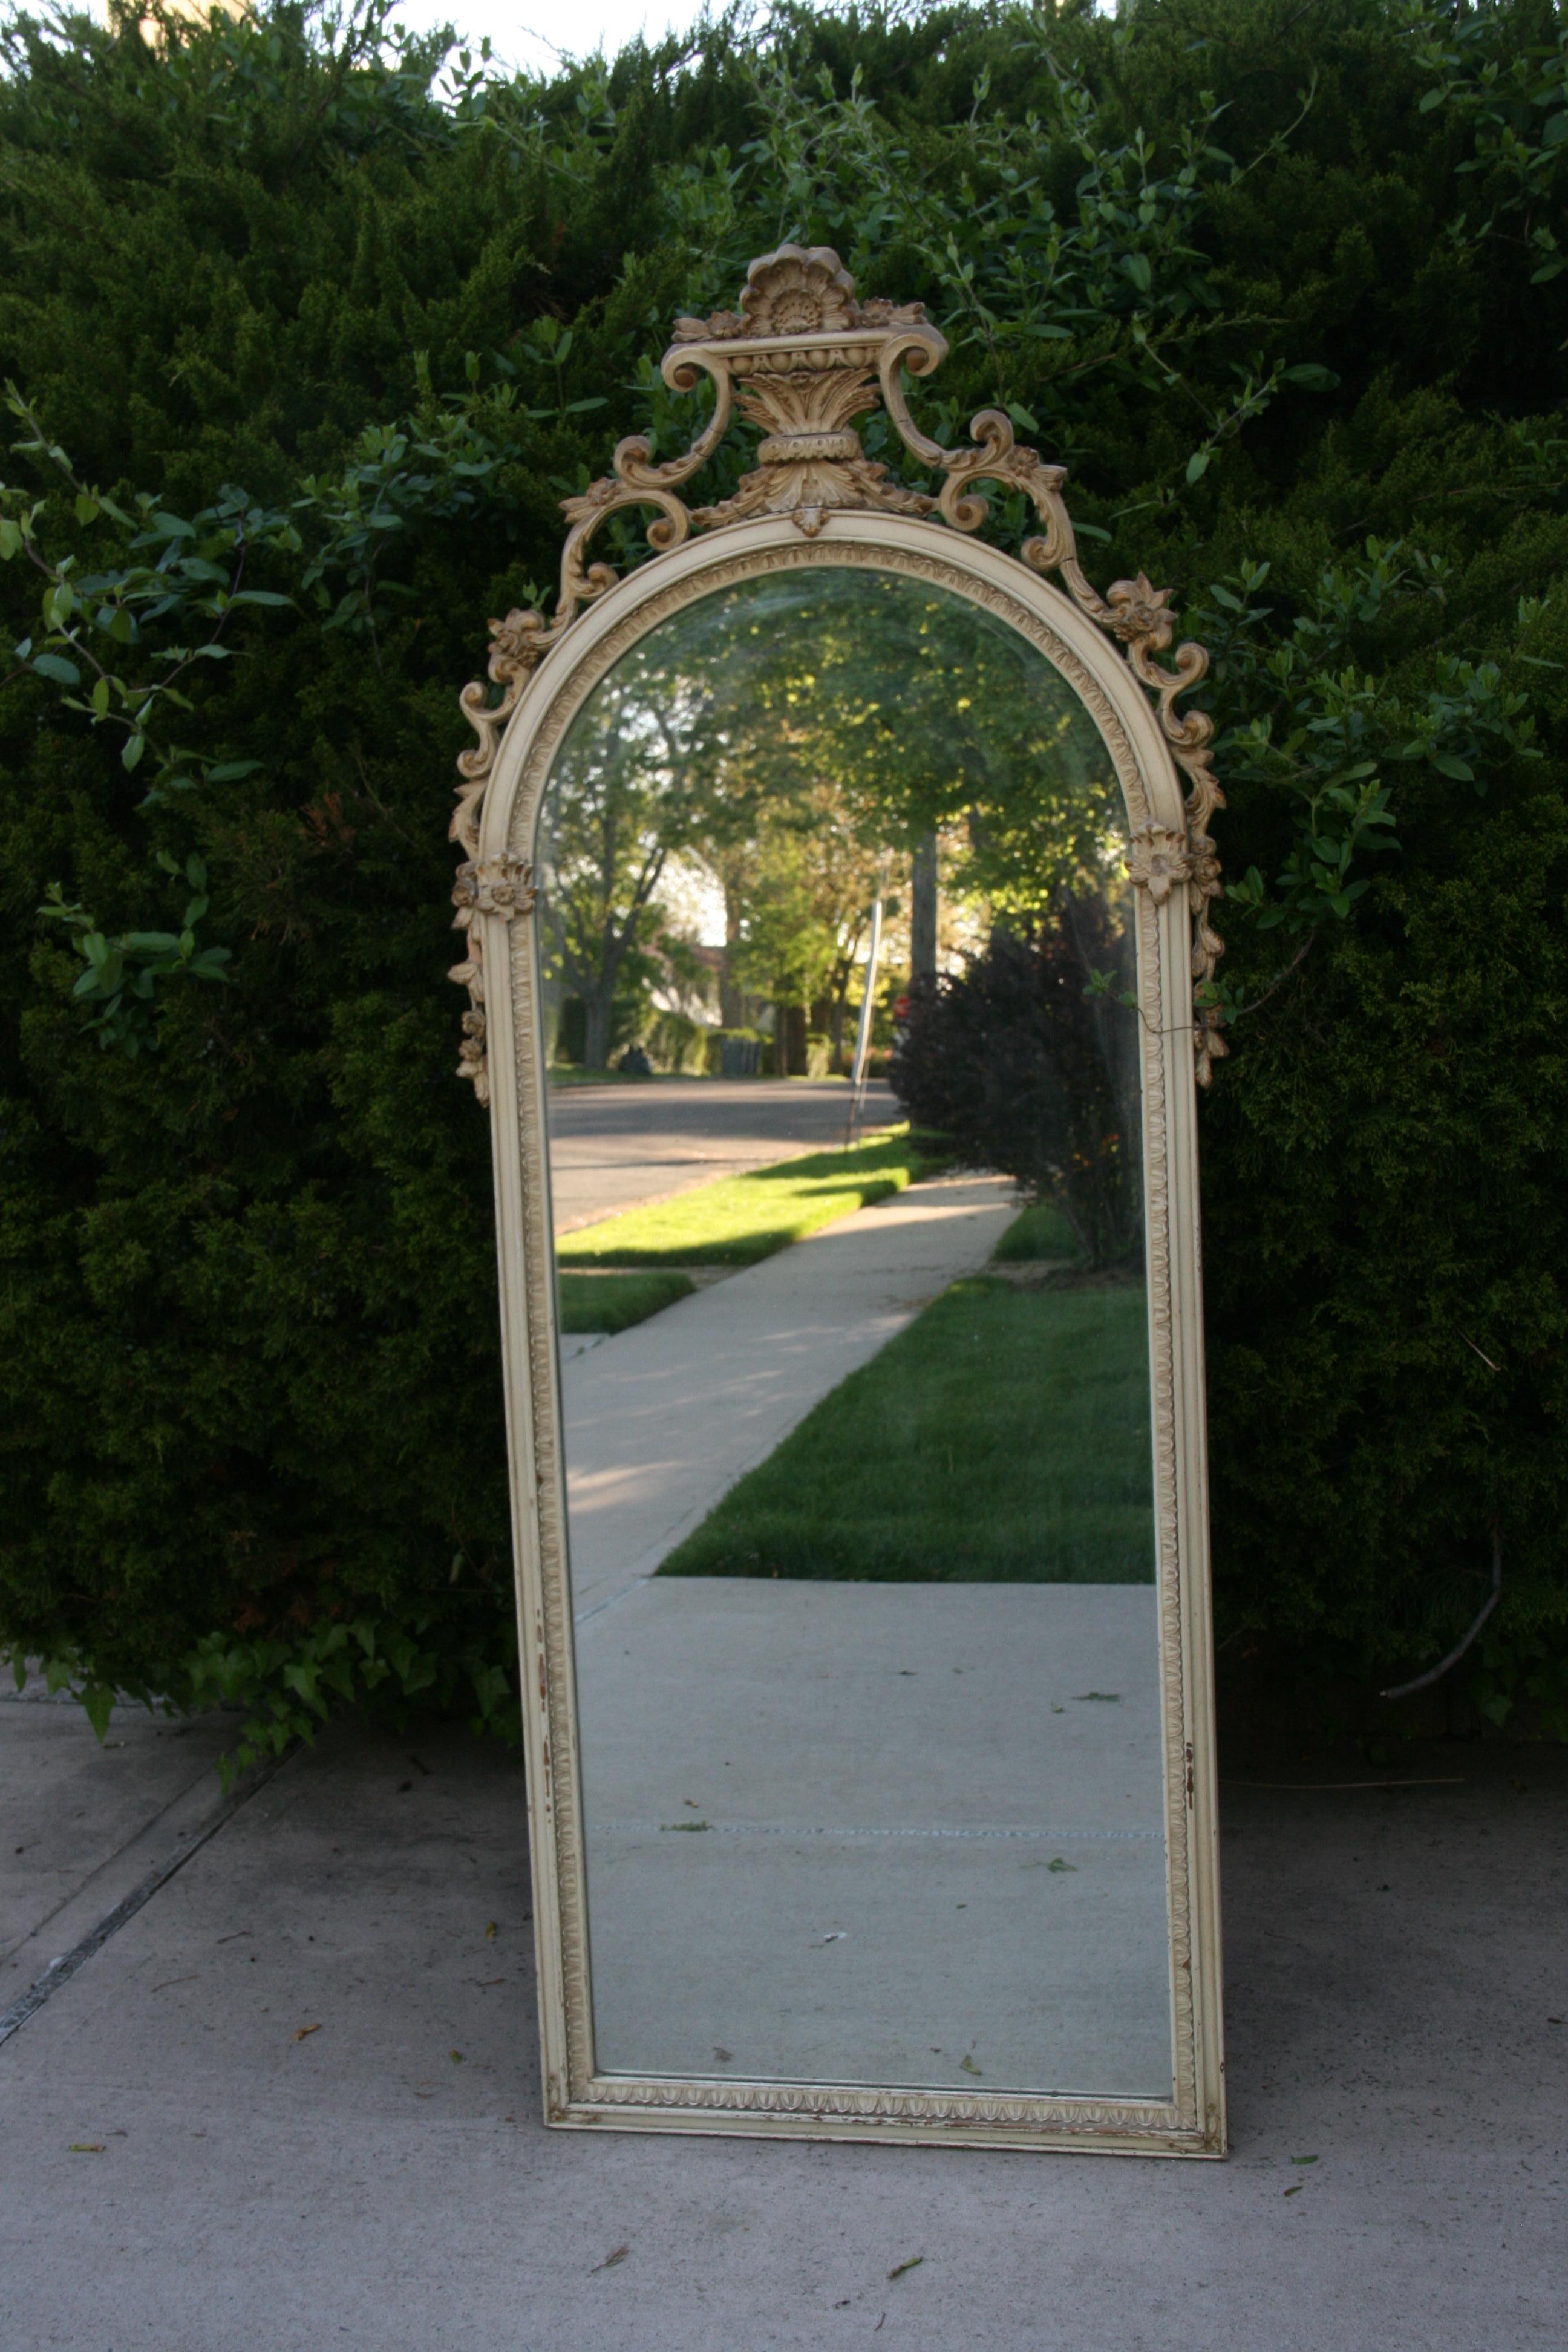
613,1146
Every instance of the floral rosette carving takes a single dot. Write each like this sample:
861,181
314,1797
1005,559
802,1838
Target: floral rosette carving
1158,861
1139,614
503,886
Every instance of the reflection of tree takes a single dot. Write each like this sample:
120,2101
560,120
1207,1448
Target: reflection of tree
800,889
614,811
1031,1068
798,737
921,708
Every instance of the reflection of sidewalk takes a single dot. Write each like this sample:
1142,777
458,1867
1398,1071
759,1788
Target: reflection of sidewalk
662,1420
923,1825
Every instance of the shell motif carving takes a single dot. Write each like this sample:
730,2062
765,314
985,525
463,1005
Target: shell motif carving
802,359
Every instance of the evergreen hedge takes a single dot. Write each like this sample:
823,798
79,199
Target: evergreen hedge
294,313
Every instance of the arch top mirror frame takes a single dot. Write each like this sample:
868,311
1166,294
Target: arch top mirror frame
802,359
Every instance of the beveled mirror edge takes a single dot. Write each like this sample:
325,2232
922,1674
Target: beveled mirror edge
576,2095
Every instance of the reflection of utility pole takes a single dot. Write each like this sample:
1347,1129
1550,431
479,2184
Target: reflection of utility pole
868,1007
922,909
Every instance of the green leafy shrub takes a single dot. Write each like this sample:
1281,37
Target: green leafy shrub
1032,1071
1285,292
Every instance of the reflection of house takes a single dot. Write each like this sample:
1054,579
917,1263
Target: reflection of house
189,12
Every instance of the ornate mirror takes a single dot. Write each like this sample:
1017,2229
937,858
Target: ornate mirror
858,1487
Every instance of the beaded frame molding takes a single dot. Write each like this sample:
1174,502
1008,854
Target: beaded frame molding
802,359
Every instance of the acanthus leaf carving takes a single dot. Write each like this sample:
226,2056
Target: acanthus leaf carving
802,359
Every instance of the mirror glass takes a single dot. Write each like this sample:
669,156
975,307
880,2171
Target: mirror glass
838,969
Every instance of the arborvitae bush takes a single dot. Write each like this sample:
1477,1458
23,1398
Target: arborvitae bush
1284,289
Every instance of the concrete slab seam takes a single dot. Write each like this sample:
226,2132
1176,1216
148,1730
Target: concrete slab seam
60,1971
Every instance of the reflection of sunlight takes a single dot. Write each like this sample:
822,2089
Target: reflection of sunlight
693,899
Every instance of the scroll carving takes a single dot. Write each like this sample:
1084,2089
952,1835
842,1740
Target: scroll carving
802,359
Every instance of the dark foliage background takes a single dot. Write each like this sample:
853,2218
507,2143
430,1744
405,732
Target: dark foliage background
1281,284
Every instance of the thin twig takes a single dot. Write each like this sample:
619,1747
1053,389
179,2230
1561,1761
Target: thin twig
1298,959
1436,1673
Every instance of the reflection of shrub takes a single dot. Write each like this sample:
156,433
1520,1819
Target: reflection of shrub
818,1054
1040,1234
663,1044
1031,1074
673,1042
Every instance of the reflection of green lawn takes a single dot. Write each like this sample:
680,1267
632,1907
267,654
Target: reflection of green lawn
743,1218
614,1302
1003,1437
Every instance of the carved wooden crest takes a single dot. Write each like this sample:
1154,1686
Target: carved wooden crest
802,359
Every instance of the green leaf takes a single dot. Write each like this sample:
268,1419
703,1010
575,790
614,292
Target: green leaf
1136,265
1311,377
1199,465
1020,415
1446,764
98,1704
10,538
229,771
131,755
55,666
87,509
1434,97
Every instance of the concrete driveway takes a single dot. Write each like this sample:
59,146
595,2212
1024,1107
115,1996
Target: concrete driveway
613,1146
294,2102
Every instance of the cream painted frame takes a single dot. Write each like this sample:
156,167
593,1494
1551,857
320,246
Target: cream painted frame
495,910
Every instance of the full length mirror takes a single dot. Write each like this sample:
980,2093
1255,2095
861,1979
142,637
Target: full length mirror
836,935
859,1510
